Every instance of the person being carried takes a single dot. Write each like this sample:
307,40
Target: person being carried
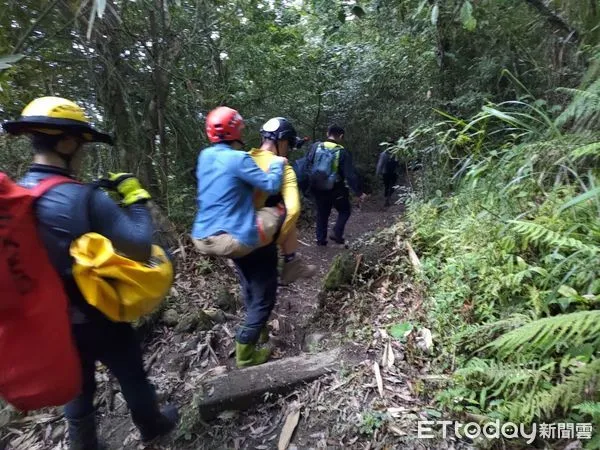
228,225
330,168
59,130
387,169
278,137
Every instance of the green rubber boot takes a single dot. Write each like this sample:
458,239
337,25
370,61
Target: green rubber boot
263,338
247,355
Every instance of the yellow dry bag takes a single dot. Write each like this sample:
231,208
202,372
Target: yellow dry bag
123,289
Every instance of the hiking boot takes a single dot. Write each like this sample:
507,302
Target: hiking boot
336,239
160,425
387,202
296,268
263,338
247,355
321,243
82,434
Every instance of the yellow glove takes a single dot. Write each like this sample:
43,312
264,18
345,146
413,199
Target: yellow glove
129,188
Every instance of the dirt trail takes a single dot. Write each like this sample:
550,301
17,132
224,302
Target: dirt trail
178,355
297,303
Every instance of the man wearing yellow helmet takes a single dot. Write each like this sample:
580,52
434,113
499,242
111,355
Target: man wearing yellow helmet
58,130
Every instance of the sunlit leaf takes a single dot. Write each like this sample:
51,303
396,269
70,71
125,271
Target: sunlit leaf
435,14
100,6
7,61
466,16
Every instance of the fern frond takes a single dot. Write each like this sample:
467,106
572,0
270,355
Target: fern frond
586,150
505,380
537,234
574,389
589,408
545,335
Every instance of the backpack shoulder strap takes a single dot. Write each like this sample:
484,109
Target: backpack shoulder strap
48,183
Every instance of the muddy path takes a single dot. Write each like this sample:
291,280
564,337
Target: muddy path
184,347
297,303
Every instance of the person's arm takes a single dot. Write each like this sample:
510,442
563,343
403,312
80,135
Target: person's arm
129,229
291,199
349,173
269,182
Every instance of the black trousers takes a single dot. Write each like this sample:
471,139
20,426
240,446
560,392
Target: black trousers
116,346
338,198
388,184
258,277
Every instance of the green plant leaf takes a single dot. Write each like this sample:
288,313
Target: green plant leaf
435,14
581,198
401,330
7,61
466,16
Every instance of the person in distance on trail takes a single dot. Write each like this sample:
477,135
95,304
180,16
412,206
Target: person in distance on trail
330,169
228,225
278,137
387,168
59,130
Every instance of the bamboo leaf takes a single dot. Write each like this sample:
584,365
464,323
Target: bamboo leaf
581,198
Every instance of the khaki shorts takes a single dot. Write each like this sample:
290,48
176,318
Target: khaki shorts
268,222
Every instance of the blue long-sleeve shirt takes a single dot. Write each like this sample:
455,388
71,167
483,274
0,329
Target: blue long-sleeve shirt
226,182
70,210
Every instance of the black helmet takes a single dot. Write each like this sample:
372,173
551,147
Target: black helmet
281,129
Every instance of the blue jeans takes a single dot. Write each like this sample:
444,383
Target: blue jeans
338,198
116,346
258,277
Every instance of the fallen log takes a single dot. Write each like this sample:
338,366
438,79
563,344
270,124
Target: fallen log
241,389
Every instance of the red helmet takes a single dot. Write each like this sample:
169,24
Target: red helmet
224,124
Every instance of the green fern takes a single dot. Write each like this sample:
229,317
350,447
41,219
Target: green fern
584,110
590,408
535,233
544,336
583,381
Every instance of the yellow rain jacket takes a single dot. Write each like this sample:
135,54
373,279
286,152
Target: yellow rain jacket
289,190
122,289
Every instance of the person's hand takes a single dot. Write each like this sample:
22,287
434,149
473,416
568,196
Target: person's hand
129,187
281,159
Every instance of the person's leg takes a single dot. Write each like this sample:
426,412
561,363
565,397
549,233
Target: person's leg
388,188
80,412
258,276
342,205
122,355
294,266
324,202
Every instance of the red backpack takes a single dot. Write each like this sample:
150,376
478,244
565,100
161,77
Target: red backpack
39,363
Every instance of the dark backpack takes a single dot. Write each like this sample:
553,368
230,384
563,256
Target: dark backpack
323,172
39,366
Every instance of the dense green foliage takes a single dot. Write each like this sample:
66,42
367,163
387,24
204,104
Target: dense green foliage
150,70
512,261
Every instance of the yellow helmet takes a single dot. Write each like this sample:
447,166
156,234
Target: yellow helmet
55,115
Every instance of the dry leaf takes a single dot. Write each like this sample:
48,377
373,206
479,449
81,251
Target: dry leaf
388,356
274,324
396,430
414,259
425,341
291,422
378,378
